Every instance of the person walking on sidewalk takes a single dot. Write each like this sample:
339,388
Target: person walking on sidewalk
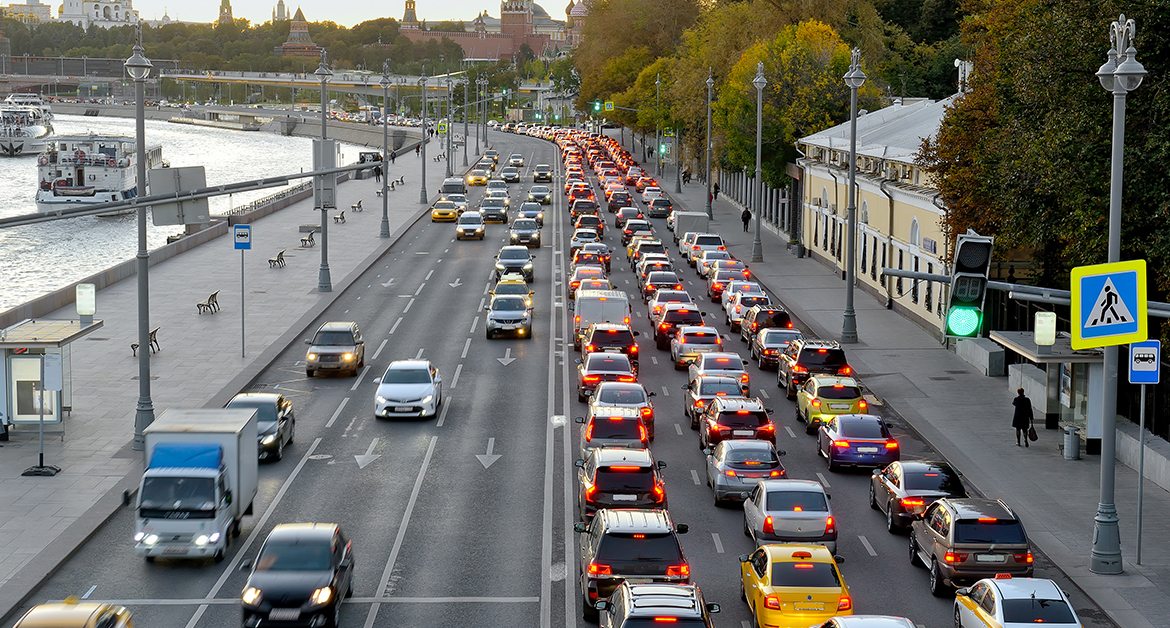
715,191
417,148
377,173
393,155
746,217
1022,419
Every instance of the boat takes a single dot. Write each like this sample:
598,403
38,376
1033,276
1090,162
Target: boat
23,130
30,100
78,170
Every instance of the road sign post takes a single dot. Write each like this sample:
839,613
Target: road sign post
1145,368
243,240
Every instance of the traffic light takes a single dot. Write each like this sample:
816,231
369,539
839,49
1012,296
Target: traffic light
664,148
597,105
972,263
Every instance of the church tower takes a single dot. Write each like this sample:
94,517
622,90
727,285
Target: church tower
409,19
516,19
225,12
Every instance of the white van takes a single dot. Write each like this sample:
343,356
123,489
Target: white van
598,306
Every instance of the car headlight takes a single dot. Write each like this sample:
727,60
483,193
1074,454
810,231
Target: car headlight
311,357
150,539
348,357
528,266
380,399
251,596
479,229
201,540
540,216
139,536
427,399
267,440
322,595
214,538
499,266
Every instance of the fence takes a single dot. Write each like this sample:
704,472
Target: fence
772,205
270,199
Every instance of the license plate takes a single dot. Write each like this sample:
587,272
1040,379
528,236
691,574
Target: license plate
990,558
625,498
175,550
839,406
808,606
284,614
639,580
867,450
507,327
743,433
403,409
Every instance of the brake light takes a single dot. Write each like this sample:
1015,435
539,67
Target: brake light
589,492
659,494
845,603
665,620
596,569
577,319
1023,558
911,502
647,411
592,378
845,370
816,403
776,473
641,432
862,404
678,287
621,468
768,529
634,349
699,403
626,378
772,602
953,557
589,432
627,319
679,570
767,428
892,444
987,519
830,527
590,348
796,368
731,473
664,326
743,378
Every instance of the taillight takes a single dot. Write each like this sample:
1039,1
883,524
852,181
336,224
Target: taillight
664,326
816,403
589,432
731,473
776,473
592,378
772,602
844,371
590,348
841,443
642,433
590,491
862,404
596,569
634,349
845,603
647,411
743,378
830,527
768,529
665,620
722,248
659,494
679,570
626,378
796,368
627,319
699,403
952,557
892,444
1023,558
577,319
911,502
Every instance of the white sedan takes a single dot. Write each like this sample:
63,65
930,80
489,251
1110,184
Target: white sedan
651,193
409,388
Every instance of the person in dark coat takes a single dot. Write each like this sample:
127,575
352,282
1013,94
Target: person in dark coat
1022,419
393,156
377,173
746,217
715,191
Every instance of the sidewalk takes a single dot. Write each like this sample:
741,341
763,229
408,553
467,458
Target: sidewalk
45,519
966,417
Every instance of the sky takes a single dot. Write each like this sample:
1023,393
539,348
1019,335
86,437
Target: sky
344,13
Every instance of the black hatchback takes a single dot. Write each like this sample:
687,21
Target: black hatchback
300,577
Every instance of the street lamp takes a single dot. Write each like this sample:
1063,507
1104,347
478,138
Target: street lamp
657,124
385,83
465,111
450,122
1119,78
138,67
854,79
324,281
422,193
710,85
760,82
483,83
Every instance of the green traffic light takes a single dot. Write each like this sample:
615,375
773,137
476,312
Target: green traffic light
963,321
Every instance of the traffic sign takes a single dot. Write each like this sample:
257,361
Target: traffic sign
1109,304
243,236
1145,362
442,128
609,105
668,132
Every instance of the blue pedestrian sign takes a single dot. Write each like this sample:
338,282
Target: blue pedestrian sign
1145,360
243,236
1109,304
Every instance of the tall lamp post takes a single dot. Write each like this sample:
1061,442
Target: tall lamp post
385,83
324,281
657,124
139,67
1120,74
422,193
450,125
483,83
677,160
465,112
710,85
760,82
854,79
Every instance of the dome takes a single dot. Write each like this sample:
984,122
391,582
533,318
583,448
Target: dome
538,11
579,10
569,9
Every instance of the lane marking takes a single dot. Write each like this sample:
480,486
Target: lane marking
695,477
428,277
466,346
481,302
419,355
420,288
824,480
868,547
665,391
474,321
89,592
407,308
654,359
361,377
395,327
337,412
678,429
790,432
718,543
764,393
443,414
380,347
487,287
385,579
455,380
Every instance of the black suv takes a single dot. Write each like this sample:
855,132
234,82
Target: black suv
672,317
964,540
514,259
761,317
606,337
660,207
628,543
619,200
806,356
618,477
649,604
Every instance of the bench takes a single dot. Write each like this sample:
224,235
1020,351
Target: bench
278,261
357,207
400,180
308,240
154,346
210,305
379,192
339,217
171,239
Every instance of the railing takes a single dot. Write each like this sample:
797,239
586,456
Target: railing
267,200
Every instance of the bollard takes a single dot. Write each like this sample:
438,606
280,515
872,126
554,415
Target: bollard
1072,443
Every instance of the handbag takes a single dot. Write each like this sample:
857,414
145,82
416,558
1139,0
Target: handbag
1032,435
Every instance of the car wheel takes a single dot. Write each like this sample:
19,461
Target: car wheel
587,611
810,428
746,530
891,522
694,422
938,587
872,497
219,556
790,390
487,333
292,431
349,587
279,449
914,558
799,418
580,396
336,620
308,372
833,466
958,619
742,592
702,445
150,559
235,529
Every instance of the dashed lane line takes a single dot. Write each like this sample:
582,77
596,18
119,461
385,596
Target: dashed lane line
695,477
420,288
409,303
455,380
665,391
790,432
395,326
823,479
474,322
678,429
361,377
443,414
466,346
718,543
868,547
419,355
380,347
337,412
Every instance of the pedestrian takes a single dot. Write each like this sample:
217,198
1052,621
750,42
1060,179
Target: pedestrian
1022,419
417,148
715,191
377,174
393,154
746,217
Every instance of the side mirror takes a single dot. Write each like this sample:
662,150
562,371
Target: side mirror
577,361
702,313
580,527
682,528
713,608
601,605
745,362
743,558
781,452
877,471
661,464
839,559
652,394
685,387
588,393
579,419
637,333
769,411
962,591
246,564
579,463
308,342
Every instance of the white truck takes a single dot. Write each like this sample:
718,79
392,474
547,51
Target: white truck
598,306
200,480
690,221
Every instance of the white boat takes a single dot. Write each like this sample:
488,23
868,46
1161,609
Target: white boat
31,100
77,170
23,130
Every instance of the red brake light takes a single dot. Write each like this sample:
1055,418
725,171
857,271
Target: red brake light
665,620
845,603
796,368
844,371
659,494
624,468
776,473
743,378
840,443
816,403
862,404
910,502
893,444
987,519
1023,558
802,565
589,492
949,557
647,411
679,570
592,378
641,432
768,529
664,326
626,378
772,602
730,473
830,527
596,569
590,348
589,432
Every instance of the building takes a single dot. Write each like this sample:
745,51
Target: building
225,12
30,12
103,13
899,213
487,38
299,44
279,13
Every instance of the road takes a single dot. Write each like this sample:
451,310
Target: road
443,538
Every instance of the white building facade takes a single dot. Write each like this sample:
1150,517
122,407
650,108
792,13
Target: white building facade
105,14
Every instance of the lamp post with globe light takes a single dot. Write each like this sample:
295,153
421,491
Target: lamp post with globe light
139,68
385,83
324,281
760,82
450,125
710,85
854,79
422,193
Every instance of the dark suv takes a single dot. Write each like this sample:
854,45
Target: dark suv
638,605
606,337
672,317
613,477
964,540
806,356
660,207
625,543
734,418
542,172
335,347
761,317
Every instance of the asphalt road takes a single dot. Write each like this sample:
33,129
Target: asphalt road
443,538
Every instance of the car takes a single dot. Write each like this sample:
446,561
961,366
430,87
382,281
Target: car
525,231
704,242
487,165
582,257
717,281
492,154
762,317
703,391
533,211
542,172
639,605
591,221
611,338
903,490
513,285
599,249
510,175
822,396
478,177
276,423
470,225
576,181
515,259
672,316
868,621
516,160
856,440
595,284
638,248
794,585
685,241
661,298
74,613
620,200
767,345
633,226
632,175
805,356
737,286
300,577
740,303
729,263
497,184
691,340
659,207
582,273
789,511
540,194
622,543
651,192
602,367
581,237
497,194
582,206
963,540
612,426
460,200
336,346
508,314
493,210
645,181
444,211
1004,601
706,261
734,466
618,477
721,363
626,395
660,279
732,418
627,213
409,388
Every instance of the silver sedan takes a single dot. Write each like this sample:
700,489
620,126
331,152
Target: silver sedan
789,511
735,466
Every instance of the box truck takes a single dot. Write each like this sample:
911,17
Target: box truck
689,221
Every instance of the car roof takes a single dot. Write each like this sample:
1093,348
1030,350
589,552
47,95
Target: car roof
734,404
298,532
1017,588
806,486
609,326
975,508
724,354
833,380
634,520
793,552
620,386
601,357
606,456
255,397
747,444
872,621
408,365
819,343
513,247
666,600
694,329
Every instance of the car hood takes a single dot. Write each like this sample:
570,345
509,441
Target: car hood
404,392
507,314
288,587
332,349
511,263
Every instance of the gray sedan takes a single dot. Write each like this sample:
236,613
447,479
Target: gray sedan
735,466
789,511
525,231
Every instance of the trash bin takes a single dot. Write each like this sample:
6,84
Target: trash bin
1072,443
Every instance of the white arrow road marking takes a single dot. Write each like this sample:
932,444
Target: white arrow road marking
868,547
507,359
388,283
456,283
369,456
489,459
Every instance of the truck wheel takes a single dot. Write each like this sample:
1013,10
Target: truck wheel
219,556
235,529
150,559
308,372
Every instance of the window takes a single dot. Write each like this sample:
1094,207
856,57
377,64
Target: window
901,265
864,217
915,232
988,602
863,252
873,266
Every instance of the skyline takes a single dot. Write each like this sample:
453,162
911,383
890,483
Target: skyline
260,11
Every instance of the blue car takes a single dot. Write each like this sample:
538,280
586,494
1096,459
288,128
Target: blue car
858,440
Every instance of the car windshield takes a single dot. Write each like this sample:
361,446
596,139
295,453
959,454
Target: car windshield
407,376
621,395
478,173
639,548
265,410
514,254
797,501
744,419
614,427
335,338
511,288
585,234
619,480
709,240
823,357
445,205
716,387
507,304
838,392
683,316
862,429
540,189
294,557
933,480
492,203
525,225
780,337
457,198
662,277
748,301
170,493
701,338
472,219
1034,611
805,575
614,364
715,255
997,532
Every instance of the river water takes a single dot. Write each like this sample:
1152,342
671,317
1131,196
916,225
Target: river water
38,259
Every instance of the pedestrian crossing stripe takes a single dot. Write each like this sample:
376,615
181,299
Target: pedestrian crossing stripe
1109,304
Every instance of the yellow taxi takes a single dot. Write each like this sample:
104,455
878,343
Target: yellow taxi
788,585
72,613
444,211
634,241
514,284
477,177
822,396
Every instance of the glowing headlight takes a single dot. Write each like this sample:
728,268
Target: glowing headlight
380,399
312,356
201,540
427,399
214,538
150,539
348,357
528,266
251,596
322,595
268,440
479,229
139,536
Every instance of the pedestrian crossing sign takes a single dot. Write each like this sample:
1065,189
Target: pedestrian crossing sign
1109,304
442,127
